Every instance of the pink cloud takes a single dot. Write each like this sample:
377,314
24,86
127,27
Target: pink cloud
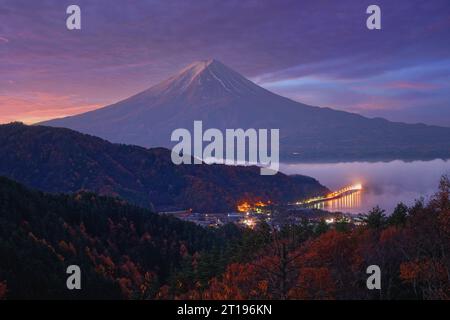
407,85
40,106
376,104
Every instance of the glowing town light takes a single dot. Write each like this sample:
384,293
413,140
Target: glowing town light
243,207
249,222
333,195
357,186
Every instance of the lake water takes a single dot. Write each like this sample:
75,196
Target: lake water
384,183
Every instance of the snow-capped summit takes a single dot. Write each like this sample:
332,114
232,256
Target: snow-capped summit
207,78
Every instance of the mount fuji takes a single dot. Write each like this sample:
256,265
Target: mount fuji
222,98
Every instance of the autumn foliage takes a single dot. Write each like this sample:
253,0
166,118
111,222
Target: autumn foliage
124,252
411,247
130,253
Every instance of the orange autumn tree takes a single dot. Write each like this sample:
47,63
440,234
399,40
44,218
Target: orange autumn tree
239,282
268,275
333,255
282,270
313,284
427,274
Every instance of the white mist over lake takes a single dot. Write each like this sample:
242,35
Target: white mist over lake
384,183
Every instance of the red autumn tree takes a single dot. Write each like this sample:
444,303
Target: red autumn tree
240,281
313,284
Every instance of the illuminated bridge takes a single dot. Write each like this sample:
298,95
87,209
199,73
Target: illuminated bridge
331,196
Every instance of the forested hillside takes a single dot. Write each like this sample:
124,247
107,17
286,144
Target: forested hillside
123,251
130,253
62,160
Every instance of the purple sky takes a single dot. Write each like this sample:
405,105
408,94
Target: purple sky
318,52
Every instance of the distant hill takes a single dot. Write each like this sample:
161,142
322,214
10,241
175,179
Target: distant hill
222,98
62,160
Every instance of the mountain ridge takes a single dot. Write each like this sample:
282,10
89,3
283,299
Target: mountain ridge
62,160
